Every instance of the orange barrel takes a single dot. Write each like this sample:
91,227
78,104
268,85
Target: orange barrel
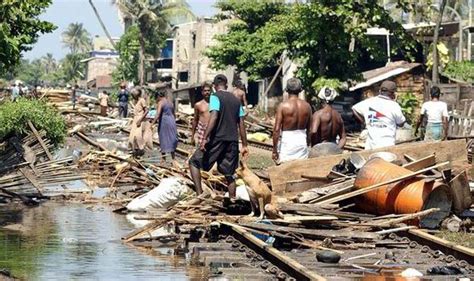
405,197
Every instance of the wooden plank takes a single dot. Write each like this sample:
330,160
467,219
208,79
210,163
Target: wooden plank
454,151
314,209
289,265
90,141
378,185
40,140
421,163
315,193
317,233
32,179
345,188
298,219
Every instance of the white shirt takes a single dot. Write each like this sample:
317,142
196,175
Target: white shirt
382,115
435,110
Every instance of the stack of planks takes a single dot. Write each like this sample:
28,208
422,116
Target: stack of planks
29,167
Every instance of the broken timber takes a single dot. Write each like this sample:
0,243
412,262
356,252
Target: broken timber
453,151
316,233
287,264
40,140
378,185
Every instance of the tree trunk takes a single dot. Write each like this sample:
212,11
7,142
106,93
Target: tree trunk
322,58
102,24
435,71
141,65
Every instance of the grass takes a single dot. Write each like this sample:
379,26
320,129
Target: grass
259,161
461,238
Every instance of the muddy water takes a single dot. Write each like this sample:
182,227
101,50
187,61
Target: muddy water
58,241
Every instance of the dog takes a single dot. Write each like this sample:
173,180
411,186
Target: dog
261,197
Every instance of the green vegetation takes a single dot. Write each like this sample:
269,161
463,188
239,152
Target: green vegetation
325,82
408,102
14,117
129,49
462,238
325,38
463,70
245,46
260,160
46,71
20,28
77,38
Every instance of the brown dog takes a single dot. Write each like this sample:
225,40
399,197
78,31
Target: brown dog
260,194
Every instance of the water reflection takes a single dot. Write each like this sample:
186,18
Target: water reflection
73,242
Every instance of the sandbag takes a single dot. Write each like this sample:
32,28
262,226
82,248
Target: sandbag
169,192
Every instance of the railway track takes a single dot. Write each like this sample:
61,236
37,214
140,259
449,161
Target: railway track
237,253
261,145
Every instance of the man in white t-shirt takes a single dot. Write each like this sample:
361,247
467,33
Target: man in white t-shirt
436,112
381,116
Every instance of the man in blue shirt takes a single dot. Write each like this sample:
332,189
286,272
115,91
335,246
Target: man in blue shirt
220,143
123,101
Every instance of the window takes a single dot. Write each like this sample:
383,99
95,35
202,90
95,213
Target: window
183,76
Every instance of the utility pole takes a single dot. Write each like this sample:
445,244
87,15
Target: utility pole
435,70
102,24
469,38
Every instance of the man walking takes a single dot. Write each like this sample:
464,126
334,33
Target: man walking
240,91
74,96
436,112
201,114
123,97
327,126
292,123
16,91
220,142
381,116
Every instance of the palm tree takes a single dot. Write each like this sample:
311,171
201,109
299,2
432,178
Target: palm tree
77,38
49,63
154,19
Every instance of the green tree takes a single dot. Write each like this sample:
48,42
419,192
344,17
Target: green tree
152,18
71,68
325,38
244,46
29,72
128,48
49,63
77,38
20,28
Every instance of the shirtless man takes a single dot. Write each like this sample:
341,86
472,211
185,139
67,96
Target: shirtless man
201,114
293,121
240,92
326,126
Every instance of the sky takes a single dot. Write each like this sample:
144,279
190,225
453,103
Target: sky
64,12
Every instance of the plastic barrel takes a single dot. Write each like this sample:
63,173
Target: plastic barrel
405,197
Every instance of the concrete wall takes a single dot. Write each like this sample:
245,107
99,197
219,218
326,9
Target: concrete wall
100,67
190,43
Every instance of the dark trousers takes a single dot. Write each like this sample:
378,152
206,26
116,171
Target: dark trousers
123,110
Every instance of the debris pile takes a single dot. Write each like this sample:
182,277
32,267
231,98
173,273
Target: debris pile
29,169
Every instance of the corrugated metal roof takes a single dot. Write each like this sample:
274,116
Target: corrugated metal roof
377,75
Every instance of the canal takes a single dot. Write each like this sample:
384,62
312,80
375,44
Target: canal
71,241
